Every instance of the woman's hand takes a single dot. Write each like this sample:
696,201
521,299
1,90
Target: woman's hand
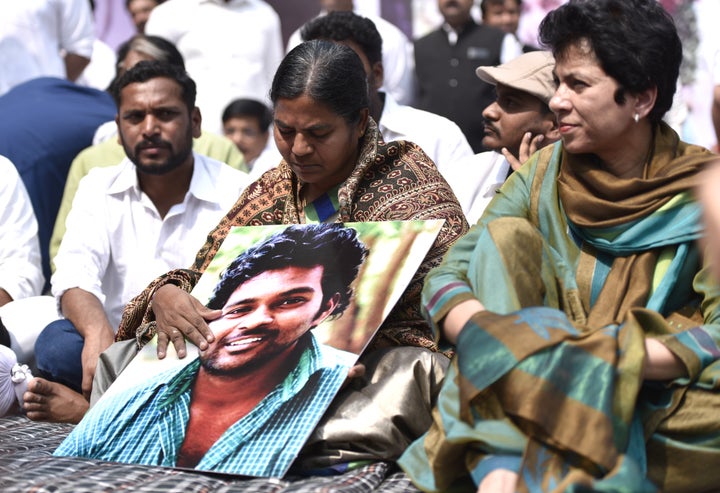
528,146
179,315
458,316
660,363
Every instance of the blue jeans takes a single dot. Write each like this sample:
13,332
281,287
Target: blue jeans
58,354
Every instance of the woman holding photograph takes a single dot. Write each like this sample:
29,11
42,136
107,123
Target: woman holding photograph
335,168
586,324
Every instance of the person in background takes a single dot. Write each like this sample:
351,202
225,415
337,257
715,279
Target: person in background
140,10
20,272
398,58
440,138
247,122
128,223
445,63
584,314
504,14
231,48
21,276
109,152
517,123
44,39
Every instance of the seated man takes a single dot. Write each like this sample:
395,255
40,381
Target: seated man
254,394
247,123
107,150
21,274
517,123
129,223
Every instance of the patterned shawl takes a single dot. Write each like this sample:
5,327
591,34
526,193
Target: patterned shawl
391,182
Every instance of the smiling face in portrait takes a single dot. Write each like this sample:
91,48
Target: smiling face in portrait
265,317
320,146
590,120
155,127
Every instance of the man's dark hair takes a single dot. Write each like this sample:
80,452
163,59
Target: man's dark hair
152,69
249,108
335,247
346,26
329,73
485,3
635,42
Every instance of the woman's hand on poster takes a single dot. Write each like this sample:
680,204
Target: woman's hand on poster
180,315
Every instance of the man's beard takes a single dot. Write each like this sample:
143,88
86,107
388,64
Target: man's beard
209,363
174,161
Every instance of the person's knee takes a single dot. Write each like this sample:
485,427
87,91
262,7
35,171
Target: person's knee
56,339
58,353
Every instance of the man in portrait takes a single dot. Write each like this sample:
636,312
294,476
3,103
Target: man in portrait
247,403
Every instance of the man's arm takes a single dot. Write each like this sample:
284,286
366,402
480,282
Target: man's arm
88,316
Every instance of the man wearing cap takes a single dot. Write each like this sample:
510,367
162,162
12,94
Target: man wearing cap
517,123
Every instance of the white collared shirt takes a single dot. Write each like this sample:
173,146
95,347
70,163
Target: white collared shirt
20,269
439,137
34,32
475,181
231,50
116,242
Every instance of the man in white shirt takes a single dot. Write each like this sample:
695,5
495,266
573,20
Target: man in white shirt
231,48
517,123
21,275
44,38
440,138
129,223
397,52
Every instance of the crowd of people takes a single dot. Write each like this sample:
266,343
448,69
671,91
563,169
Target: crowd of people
561,332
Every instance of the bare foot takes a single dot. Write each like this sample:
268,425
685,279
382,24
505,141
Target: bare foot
54,402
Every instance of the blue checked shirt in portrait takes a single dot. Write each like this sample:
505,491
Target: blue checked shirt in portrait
146,424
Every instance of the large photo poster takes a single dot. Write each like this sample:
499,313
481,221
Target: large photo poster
295,306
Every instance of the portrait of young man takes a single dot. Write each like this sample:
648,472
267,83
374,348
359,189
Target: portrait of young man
246,404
